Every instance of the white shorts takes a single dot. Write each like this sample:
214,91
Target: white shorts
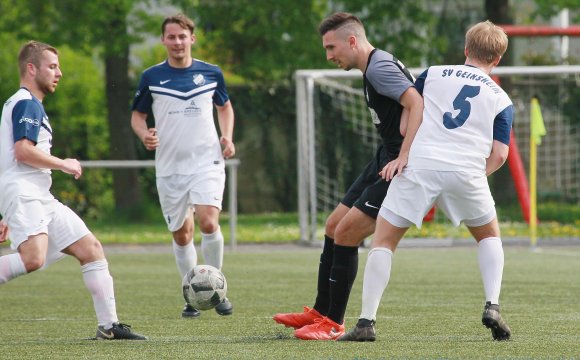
179,193
26,217
461,196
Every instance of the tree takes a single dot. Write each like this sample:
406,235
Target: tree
101,25
96,28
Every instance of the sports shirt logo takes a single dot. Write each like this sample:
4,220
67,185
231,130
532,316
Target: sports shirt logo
371,206
29,120
198,79
164,81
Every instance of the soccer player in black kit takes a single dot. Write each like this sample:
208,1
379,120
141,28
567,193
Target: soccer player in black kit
392,99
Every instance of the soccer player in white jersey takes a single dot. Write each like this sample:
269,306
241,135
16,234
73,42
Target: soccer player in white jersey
189,160
43,230
462,138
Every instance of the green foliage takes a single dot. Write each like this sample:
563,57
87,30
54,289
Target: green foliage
407,29
259,40
77,113
9,79
549,8
265,140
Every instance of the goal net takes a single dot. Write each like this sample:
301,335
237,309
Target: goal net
336,137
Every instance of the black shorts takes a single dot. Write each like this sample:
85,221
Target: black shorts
369,190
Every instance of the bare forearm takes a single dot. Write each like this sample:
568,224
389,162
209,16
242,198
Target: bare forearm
32,156
226,120
497,158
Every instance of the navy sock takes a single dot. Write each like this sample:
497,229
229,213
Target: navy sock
323,296
342,275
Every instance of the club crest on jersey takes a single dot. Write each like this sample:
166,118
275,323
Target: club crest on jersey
198,79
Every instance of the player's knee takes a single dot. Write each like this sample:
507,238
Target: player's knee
33,262
344,236
208,225
330,227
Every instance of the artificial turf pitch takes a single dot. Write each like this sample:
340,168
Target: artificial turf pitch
431,309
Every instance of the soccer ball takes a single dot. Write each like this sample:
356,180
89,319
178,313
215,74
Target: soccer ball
204,287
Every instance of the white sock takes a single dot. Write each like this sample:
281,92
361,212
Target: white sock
100,284
375,280
11,266
212,248
490,256
185,257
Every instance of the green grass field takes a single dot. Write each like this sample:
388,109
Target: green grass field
432,308
284,228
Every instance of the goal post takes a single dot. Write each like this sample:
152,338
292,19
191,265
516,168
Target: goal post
331,103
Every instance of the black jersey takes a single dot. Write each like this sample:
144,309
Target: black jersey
385,80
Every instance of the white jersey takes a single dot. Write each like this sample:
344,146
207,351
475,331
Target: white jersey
23,116
465,110
181,101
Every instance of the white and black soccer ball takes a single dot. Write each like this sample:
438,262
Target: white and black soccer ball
204,287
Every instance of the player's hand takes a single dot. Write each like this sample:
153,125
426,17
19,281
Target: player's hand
394,167
3,231
73,167
229,149
150,140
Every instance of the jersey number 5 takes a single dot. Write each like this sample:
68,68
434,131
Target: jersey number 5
460,103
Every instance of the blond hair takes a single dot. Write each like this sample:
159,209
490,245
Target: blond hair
486,42
31,53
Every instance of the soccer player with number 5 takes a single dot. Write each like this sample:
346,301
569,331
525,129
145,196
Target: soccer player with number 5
462,138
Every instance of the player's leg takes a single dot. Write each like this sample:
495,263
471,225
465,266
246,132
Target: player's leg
350,233
363,198
319,310
354,227
206,194
27,222
377,273
30,257
174,200
322,303
390,229
212,239
183,247
491,260
467,198
65,229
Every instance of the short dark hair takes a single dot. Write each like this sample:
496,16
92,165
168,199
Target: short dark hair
338,20
179,19
31,53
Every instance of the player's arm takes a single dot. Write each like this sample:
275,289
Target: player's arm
27,153
3,231
498,156
148,136
404,122
502,125
225,115
412,101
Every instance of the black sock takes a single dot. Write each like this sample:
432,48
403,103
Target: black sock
323,296
342,275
